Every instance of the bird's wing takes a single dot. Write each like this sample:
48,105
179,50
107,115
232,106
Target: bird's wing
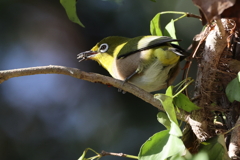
141,43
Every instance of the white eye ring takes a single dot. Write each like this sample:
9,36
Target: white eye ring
103,47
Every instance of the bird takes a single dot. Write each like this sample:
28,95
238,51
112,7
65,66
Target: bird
148,62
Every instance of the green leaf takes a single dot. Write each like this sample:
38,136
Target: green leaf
70,8
155,27
170,31
177,157
233,89
169,91
215,148
183,102
163,119
167,103
161,146
200,156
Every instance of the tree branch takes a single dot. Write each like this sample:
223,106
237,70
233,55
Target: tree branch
76,73
205,86
104,153
91,77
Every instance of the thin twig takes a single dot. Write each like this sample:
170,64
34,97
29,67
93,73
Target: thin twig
194,16
189,61
104,153
205,33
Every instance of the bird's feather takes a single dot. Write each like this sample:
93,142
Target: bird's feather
143,43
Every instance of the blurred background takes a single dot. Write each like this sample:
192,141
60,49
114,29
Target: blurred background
48,117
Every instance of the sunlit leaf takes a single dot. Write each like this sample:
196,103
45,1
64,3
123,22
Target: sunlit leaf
183,102
170,31
200,156
169,91
168,106
161,146
233,89
185,155
70,8
155,26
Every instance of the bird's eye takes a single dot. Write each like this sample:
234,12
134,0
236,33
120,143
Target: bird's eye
103,47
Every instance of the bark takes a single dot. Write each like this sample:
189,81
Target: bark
205,88
213,75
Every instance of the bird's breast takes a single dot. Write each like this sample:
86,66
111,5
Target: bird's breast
124,67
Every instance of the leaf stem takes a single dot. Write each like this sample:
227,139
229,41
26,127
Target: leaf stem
173,12
104,153
184,87
184,14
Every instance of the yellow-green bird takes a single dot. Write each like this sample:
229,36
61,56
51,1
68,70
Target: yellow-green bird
149,62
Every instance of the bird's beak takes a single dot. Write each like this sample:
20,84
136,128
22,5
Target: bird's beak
85,55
